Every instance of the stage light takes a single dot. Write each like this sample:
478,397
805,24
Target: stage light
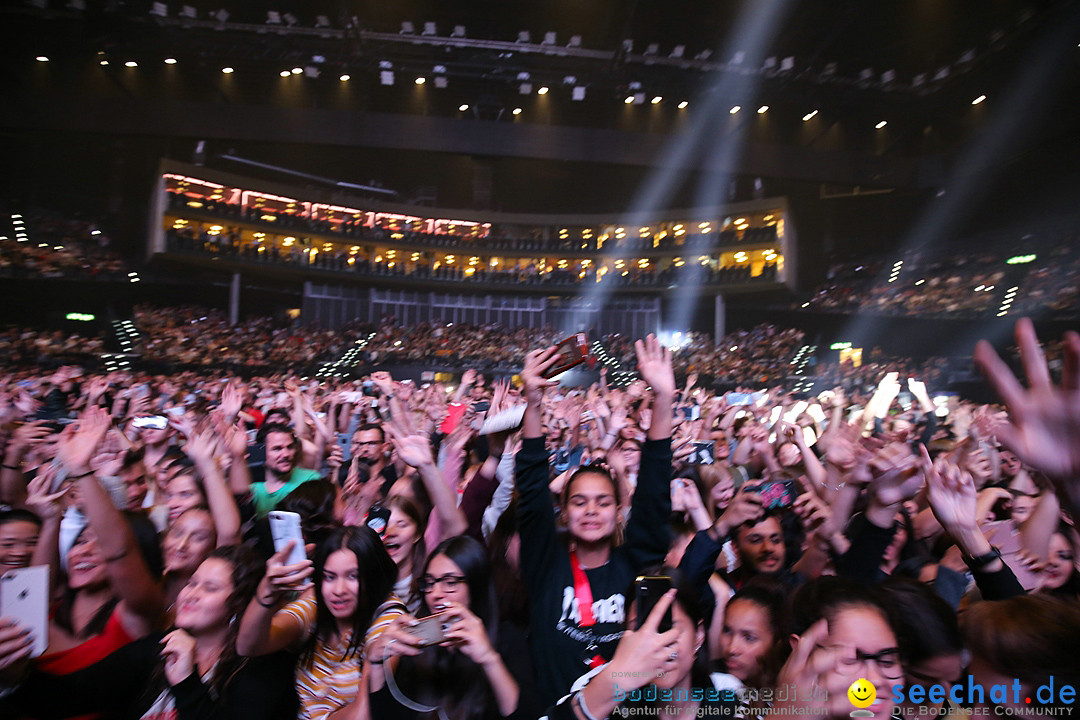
683,104
42,58
227,70
656,100
322,21
131,64
735,109
763,109
297,71
168,61
809,116
459,31
463,107
106,62
344,78
629,99
285,73
881,124
978,100
421,80
543,90
517,111
188,12
524,37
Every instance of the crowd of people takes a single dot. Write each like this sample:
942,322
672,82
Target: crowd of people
955,284
274,547
44,244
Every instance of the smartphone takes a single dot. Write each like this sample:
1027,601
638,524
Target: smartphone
647,591
285,526
378,518
431,630
24,597
704,453
775,494
454,413
155,422
572,351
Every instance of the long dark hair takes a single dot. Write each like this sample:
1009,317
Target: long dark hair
471,556
770,596
377,574
246,570
447,679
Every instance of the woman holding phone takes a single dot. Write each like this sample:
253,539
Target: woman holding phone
350,603
189,673
454,658
577,590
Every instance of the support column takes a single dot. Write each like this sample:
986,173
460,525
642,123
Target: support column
719,321
234,299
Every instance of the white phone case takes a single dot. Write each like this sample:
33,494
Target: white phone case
285,526
24,597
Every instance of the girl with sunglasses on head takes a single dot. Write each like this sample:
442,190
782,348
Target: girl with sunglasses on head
576,592
189,673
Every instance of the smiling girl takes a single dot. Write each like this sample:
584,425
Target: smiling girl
577,601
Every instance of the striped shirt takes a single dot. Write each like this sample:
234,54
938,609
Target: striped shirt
330,682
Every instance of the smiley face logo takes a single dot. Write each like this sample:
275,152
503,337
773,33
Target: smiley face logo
862,693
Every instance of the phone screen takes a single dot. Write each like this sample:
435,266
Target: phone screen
648,591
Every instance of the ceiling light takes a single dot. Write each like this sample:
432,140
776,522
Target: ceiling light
168,61
629,99
543,90
735,109
683,104
106,62
344,78
227,70
809,116
881,124
42,58
131,63
463,107
656,100
285,73
978,100
763,109
517,111
297,71
421,80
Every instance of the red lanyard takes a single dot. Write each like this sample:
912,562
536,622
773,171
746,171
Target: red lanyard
583,595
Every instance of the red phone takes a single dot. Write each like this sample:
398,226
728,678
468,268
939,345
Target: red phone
455,411
572,351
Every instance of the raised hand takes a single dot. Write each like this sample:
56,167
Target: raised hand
537,362
897,474
951,493
281,579
178,652
654,365
1044,427
80,440
39,496
414,450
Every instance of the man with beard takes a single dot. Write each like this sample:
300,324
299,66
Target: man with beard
282,475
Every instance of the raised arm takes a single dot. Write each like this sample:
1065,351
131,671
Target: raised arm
1044,421
141,595
200,447
265,627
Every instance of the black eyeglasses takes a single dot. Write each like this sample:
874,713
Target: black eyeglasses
888,662
428,583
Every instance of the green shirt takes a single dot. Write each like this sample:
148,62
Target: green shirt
267,501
